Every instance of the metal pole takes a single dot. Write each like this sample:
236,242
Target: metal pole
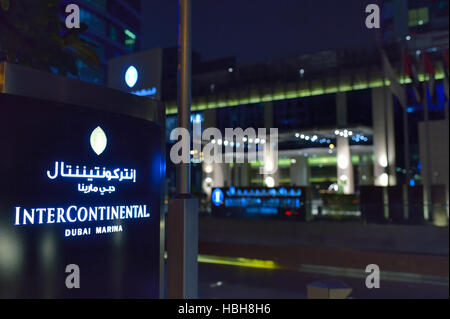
428,203
405,141
405,124
184,89
386,140
182,221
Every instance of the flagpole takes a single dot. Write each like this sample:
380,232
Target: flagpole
386,141
446,111
427,154
405,138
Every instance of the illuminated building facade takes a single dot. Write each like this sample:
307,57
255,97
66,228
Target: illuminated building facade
339,127
337,93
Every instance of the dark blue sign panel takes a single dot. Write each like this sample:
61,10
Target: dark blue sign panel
78,187
259,202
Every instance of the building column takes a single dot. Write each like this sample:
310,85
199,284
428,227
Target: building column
207,178
221,174
271,176
243,172
383,137
365,171
345,174
299,172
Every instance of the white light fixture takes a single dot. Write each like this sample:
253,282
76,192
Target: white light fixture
269,181
208,169
333,187
383,161
131,76
384,179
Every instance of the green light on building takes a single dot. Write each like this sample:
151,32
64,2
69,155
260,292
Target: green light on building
328,160
130,34
218,101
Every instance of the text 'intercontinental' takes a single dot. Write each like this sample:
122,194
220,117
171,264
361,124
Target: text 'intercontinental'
75,214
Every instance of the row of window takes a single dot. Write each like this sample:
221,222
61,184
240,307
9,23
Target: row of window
101,27
298,113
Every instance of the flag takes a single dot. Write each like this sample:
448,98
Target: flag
445,80
429,69
396,88
411,72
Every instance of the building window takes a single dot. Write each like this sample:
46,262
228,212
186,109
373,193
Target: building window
417,17
99,4
95,23
113,33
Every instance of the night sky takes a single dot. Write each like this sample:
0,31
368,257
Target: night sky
256,30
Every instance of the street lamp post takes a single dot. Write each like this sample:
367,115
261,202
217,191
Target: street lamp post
182,223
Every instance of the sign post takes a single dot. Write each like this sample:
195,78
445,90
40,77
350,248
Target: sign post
81,189
182,226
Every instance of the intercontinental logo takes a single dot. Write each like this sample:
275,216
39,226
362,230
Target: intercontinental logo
93,182
98,140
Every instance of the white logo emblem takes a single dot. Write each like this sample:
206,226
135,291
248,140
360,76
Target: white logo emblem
98,140
131,76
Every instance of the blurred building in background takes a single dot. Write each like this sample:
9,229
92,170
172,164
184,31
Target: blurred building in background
114,26
156,72
340,129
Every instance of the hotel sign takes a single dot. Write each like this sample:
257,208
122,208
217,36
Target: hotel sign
79,186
